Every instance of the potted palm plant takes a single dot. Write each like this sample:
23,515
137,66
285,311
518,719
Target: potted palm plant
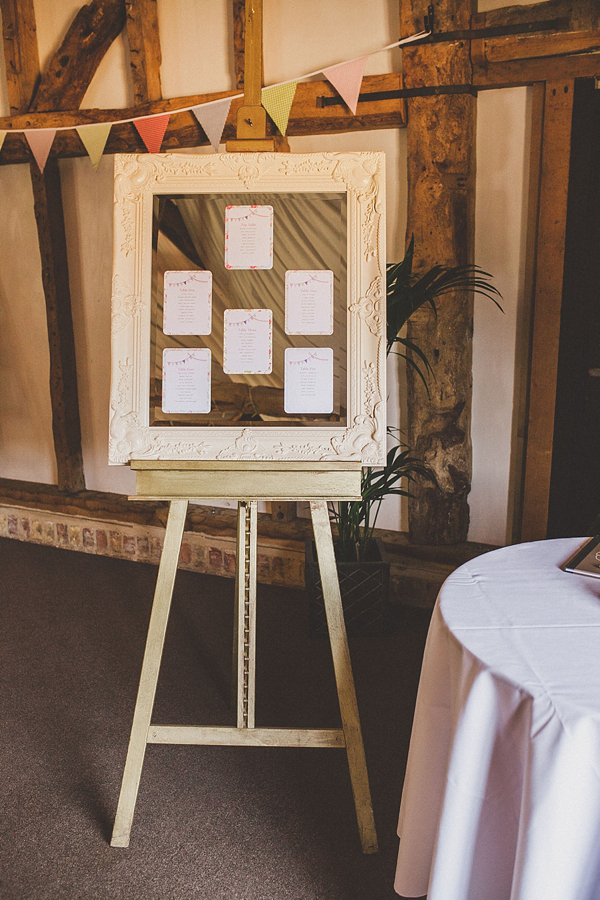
362,565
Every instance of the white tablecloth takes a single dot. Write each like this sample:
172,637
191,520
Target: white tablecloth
501,799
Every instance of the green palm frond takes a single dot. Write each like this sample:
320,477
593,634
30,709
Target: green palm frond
407,292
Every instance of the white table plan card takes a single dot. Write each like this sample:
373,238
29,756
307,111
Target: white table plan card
187,302
248,341
309,301
308,380
186,380
249,237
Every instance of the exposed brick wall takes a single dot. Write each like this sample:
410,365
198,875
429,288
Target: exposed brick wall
279,562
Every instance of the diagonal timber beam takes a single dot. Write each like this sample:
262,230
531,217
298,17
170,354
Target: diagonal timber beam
72,67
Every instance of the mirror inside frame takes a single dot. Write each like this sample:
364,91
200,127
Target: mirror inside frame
209,302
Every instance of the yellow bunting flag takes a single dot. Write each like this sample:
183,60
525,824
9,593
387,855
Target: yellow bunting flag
278,102
152,130
94,138
40,142
346,78
2,136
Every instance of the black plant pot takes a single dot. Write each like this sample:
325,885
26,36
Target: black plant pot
364,586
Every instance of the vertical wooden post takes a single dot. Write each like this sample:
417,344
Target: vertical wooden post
66,428
343,676
441,204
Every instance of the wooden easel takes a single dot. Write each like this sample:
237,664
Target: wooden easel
180,482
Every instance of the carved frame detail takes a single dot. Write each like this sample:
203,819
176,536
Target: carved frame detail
137,179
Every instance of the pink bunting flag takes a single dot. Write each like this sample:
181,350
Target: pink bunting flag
40,141
212,118
152,130
346,78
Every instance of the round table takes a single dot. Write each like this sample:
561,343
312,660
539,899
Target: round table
501,799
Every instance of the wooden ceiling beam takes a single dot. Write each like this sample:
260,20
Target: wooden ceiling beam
519,72
20,52
581,14
72,67
307,117
145,54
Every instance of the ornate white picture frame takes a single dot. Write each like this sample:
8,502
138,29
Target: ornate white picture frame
359,432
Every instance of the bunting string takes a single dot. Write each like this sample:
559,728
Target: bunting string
250,318
212,115
189,279
311,356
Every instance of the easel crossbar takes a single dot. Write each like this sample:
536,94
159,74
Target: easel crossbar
247,737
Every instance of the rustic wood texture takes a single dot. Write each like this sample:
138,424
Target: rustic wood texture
66,428
72,67
549,261
184,131
239,32
144,49
20,52
441,186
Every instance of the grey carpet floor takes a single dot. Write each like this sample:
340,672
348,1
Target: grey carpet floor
214,823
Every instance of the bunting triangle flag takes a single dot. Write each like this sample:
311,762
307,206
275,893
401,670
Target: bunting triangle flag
2,136
94,138
346,78
278,102
212,118
152,130
40,142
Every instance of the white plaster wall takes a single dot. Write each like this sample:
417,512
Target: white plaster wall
26,446
502,139
197,57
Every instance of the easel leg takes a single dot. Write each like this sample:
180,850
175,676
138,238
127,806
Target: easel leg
343,676
244,669
149,676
